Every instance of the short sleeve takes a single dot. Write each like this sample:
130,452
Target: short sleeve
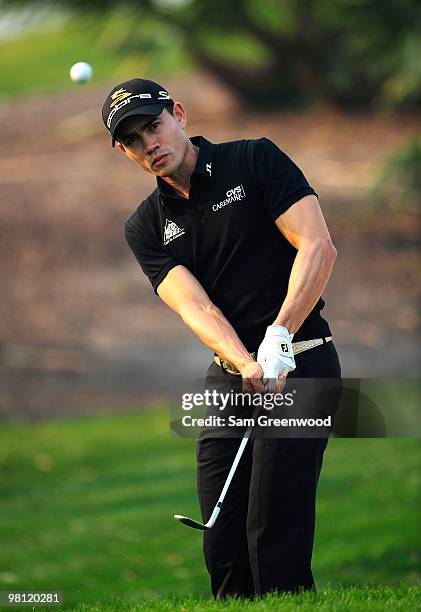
281,181
153,259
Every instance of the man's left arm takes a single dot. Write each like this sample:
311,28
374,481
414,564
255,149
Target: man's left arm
304,227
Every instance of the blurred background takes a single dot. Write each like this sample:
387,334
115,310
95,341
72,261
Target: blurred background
337,85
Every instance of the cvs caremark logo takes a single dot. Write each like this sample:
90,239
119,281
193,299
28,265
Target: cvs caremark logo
235,194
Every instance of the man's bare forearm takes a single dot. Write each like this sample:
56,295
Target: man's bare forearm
216,332
309,275
182,292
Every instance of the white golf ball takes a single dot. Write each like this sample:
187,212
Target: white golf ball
81,72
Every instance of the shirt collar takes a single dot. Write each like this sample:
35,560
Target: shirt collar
203,166
206,156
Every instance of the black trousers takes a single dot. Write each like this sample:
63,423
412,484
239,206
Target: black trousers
263,538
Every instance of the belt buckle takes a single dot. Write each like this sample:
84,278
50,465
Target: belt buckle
230,368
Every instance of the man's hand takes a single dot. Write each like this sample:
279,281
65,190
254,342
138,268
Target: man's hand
252,375
276,357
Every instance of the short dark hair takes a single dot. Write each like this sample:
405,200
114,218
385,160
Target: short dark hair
170,107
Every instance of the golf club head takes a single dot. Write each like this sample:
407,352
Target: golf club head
190,522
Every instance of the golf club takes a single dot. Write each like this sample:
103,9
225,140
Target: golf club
211,522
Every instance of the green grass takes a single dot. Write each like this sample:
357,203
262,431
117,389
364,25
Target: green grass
403,598
117,46
87,504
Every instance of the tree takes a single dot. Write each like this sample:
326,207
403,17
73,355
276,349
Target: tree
356,54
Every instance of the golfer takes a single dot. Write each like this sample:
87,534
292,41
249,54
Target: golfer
234,241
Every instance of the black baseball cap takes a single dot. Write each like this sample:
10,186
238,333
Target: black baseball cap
134,97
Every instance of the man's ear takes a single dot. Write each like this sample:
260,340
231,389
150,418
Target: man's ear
120,147
180,115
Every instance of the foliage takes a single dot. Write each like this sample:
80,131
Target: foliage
352,53
48,52
399,182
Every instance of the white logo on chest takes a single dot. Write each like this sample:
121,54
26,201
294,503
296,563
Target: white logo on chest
172,231
235,194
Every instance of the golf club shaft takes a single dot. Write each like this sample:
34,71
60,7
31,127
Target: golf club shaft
231,473
215,512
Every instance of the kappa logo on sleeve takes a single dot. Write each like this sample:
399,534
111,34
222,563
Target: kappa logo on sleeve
172,231
235,194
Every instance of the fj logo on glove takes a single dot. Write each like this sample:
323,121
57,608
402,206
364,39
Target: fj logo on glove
284,347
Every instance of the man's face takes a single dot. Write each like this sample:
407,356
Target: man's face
157,144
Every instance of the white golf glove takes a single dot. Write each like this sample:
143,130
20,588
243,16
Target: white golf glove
275,355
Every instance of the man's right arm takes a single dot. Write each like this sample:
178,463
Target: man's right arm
183,293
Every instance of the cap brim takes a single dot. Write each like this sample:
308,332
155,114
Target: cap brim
150,110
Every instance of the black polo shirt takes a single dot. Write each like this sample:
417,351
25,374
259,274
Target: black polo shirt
225,233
